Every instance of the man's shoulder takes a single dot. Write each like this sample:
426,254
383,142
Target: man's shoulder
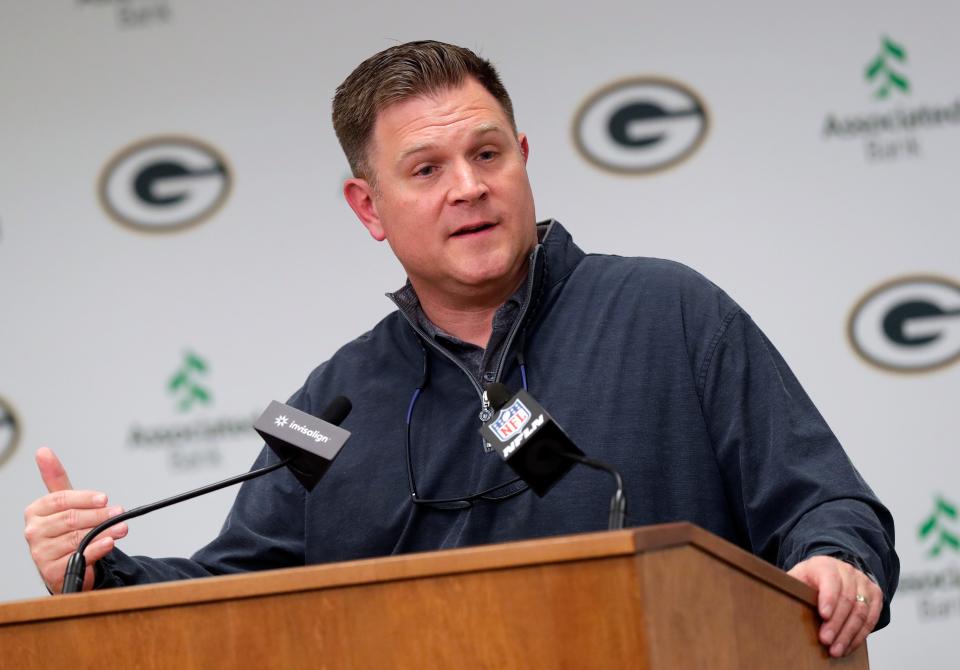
665,298
649,274
381,356
565,261
389,338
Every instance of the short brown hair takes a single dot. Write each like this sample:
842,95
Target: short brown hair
401,72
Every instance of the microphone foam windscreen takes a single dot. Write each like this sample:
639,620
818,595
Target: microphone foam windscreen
498,395
337,410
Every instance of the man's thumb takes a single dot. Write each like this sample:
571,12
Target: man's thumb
51,470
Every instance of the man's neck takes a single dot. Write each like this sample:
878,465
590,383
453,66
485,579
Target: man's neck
467,317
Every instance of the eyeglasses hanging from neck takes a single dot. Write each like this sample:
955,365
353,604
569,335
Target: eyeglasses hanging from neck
494,494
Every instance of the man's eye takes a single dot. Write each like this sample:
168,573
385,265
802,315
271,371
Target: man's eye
426,171
488,155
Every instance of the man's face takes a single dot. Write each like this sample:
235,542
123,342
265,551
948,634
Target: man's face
452,198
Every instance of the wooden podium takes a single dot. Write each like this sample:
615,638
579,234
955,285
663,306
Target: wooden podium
667,597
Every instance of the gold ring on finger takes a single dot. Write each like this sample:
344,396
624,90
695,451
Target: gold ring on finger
862,599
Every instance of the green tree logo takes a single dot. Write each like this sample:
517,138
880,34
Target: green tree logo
184,383
937,528
880,70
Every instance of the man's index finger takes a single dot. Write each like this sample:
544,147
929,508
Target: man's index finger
51,471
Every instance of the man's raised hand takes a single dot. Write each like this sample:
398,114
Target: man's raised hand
55,523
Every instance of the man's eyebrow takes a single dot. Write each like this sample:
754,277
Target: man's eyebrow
481,129
485,128
415,149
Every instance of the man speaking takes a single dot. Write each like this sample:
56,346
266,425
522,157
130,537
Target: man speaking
649,367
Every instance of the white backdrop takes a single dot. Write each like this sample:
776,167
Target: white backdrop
796,223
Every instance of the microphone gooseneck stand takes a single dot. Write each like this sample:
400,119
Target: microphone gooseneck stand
73,577
498,395
618,503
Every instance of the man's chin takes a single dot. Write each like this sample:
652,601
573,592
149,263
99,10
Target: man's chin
483,278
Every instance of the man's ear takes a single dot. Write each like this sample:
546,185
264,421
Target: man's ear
359,195
524,147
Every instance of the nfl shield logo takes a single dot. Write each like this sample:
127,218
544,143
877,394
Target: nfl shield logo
510,421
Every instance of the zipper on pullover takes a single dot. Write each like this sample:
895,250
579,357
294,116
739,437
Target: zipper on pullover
485,412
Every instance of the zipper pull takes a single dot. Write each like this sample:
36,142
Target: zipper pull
485,415
485,411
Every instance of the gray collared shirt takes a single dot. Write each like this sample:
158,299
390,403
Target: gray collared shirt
481,362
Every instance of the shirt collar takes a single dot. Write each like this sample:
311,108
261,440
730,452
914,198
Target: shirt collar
406,298
408,302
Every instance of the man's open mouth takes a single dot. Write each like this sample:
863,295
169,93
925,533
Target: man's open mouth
469,230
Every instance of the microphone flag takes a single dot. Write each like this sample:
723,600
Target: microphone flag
313,442
530,442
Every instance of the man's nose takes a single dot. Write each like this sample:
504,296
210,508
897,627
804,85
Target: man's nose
468,185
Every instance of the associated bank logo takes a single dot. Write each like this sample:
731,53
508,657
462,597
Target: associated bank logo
910,324
194,431
164,184
641,125
9,431
881,70
185,385
890,130
941,530
936,585
135,13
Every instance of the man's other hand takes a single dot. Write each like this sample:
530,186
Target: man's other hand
849,602
55,524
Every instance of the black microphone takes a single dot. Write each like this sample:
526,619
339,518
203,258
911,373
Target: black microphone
304,443
527,438
537,448
307,445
